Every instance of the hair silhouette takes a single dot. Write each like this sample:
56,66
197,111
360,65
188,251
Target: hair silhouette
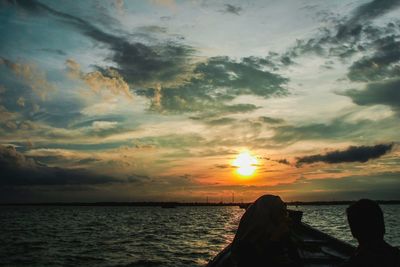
366,220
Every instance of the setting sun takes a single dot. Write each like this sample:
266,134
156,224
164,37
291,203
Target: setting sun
245,163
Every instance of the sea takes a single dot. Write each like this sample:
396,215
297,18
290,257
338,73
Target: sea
142,236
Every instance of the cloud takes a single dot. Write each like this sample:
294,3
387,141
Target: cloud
31,96
74,69
384,63
364,13
352,154
18,170
337,129
381,185
240,78
136,62
378,41
62,154
21,101
224,166
165,3
343,128
172,141
6,115
283,161
54,51
103,125
270,120
119,6
346,37
140,64
153,29
186,87
18,125
232,9
379,93
216,82
97,81
374,9
31,75
221,121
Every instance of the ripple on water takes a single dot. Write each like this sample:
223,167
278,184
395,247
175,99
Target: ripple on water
140,236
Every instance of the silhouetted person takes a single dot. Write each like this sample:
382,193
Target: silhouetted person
262,238
367,225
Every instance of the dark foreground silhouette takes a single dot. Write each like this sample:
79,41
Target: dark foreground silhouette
367,225
262,238
270,235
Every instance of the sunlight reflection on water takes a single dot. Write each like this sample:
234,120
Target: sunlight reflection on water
141,236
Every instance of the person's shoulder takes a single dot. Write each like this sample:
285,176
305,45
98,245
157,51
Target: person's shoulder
396,252
392,250
384,255
390,256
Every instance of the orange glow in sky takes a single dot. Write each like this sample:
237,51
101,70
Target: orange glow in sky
281,100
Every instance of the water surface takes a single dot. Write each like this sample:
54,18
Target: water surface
141,236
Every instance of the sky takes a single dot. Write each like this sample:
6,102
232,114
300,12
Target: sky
168,100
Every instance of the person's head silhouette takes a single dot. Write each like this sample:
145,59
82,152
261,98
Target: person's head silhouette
366,221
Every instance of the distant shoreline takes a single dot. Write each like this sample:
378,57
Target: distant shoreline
185,204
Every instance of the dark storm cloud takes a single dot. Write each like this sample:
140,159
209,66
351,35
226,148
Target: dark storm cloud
379,93
18,170
364,13
216,82
137,62
232,9
352,154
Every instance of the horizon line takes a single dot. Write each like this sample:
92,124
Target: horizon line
178,203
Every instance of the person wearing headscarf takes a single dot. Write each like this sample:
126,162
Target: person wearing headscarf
262,237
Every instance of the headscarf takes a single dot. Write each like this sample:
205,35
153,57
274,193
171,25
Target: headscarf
260,221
